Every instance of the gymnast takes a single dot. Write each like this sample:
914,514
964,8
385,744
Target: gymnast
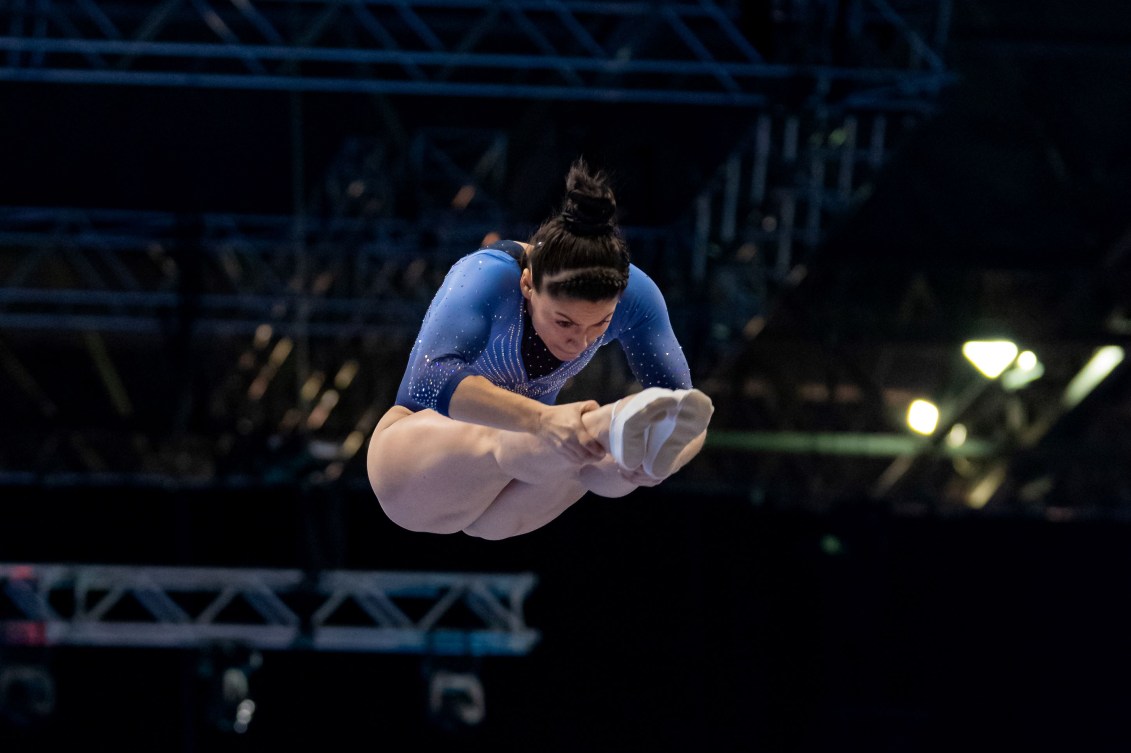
475,441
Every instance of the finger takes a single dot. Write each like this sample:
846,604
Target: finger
594,450
588,405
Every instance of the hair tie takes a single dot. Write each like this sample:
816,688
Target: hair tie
589,215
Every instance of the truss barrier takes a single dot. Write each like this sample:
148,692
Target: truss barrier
343,611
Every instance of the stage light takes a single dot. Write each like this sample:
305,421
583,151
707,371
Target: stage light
956,437
456,699
923,416
1102,362
991,357
1028,368
227,672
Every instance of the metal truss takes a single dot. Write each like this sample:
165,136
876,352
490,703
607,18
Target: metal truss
789,179
225,274
152,272
346,611
675,52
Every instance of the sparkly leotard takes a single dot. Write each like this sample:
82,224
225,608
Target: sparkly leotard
476,323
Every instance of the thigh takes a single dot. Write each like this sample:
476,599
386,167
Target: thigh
432,473
522,507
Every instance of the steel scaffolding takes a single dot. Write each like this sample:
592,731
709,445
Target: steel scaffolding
822,87
226,274
678,52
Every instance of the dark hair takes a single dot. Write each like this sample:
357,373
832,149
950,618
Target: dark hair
583,238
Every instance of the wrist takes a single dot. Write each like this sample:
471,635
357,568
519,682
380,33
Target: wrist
538,418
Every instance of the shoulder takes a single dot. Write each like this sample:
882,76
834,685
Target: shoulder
490,261
639,303
641,290
488,275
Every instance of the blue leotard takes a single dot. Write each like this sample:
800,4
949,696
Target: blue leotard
474,327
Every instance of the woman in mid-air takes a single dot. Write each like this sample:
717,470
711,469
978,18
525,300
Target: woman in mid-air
475,442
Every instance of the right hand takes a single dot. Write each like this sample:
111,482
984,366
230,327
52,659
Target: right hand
561,427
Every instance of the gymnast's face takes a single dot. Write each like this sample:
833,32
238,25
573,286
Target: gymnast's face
567,325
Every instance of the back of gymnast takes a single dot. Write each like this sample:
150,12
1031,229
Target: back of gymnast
475,441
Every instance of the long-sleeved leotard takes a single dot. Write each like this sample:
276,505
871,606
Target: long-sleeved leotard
474,326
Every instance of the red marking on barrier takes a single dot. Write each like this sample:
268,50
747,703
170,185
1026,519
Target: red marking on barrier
23,633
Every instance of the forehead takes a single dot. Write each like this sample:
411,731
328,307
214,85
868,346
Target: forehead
577,309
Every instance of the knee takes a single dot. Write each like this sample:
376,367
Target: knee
412,517
402,508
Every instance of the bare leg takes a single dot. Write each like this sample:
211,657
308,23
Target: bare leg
432,473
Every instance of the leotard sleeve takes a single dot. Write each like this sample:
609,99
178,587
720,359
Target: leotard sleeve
456,329
653,352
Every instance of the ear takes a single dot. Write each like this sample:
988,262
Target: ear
526,283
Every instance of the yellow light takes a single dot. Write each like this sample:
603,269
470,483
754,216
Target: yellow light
352,444
1027,361
345,374
985,489
262,336
957,436
991,357
280,352
311,386
923,416
321,411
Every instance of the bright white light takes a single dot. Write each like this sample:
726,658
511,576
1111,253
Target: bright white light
244,712
991,357
1095,371
956,437
1027,361
1028,368
923,416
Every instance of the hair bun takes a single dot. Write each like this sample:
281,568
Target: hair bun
589,207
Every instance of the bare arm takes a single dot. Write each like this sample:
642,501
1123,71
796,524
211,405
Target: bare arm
476,400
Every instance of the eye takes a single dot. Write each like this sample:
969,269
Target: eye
564,324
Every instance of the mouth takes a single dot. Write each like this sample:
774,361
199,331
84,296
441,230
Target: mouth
566,355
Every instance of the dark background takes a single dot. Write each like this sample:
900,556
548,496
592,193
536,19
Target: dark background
668,622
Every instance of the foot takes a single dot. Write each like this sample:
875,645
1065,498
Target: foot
674,431
632,416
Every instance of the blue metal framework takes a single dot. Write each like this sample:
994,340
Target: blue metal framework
348,264
125,271
392,612
675,52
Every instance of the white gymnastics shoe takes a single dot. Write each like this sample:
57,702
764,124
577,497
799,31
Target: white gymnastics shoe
667,437
632,417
